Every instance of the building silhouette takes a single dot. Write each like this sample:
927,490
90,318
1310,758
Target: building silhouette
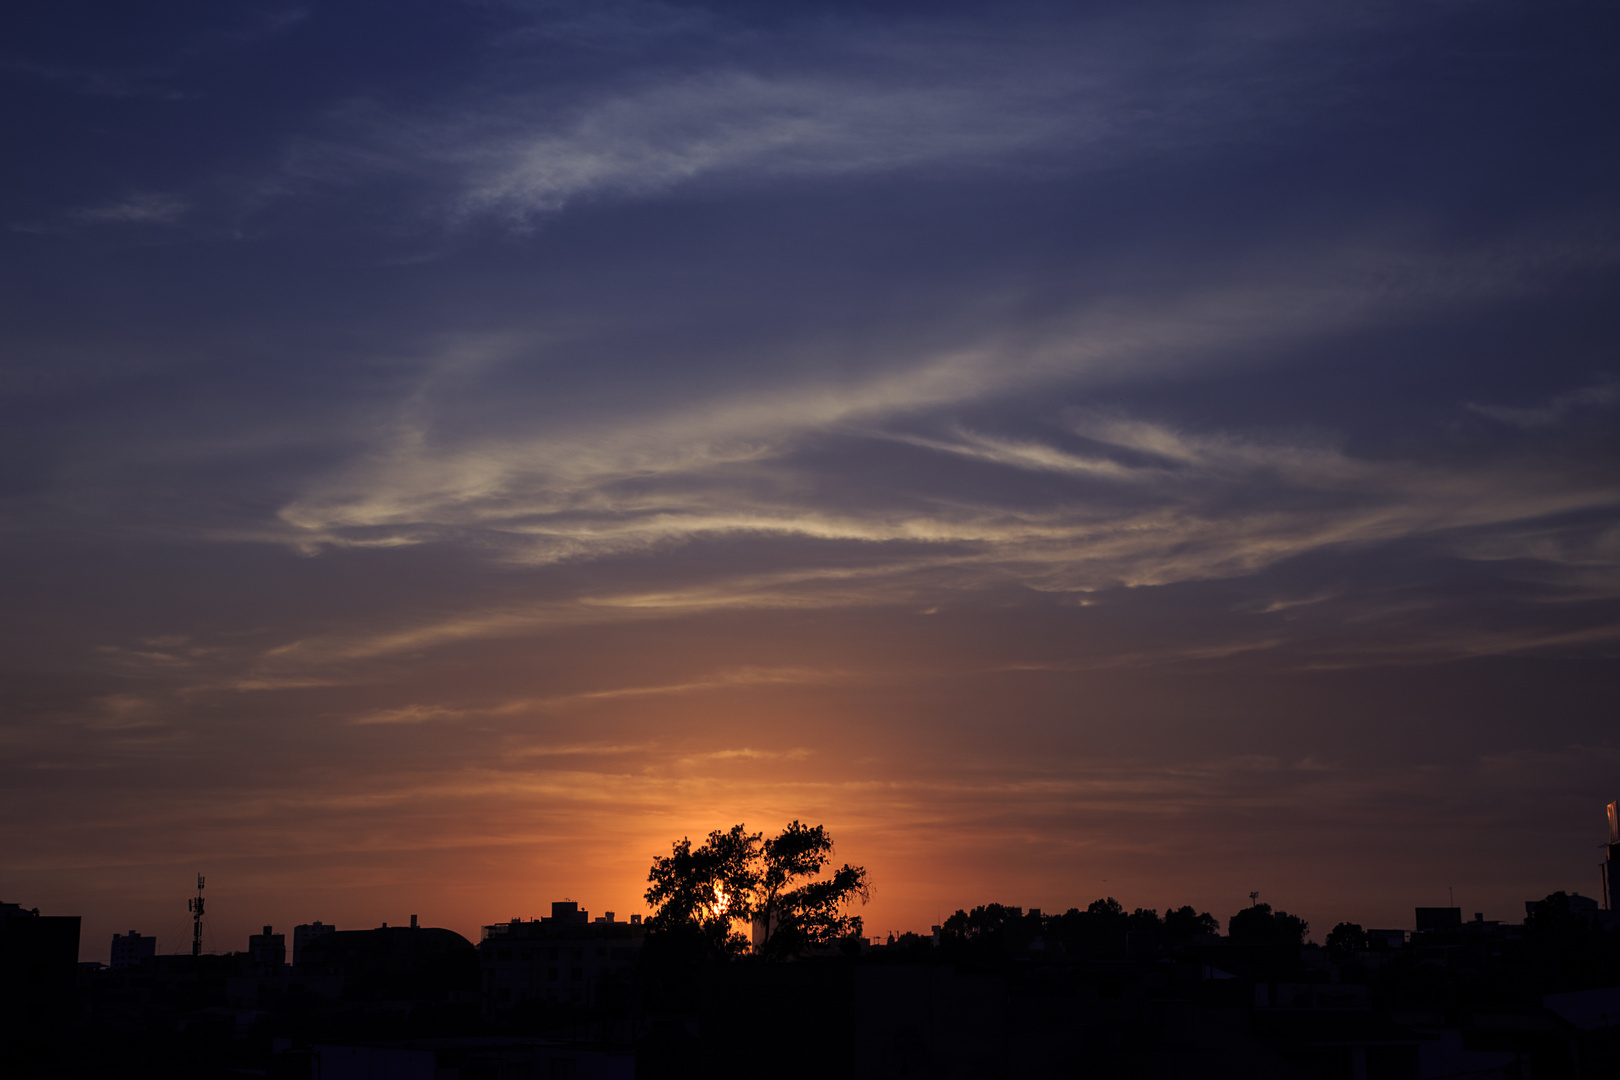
1438,919
565,958
1000,991
390,963
268,951
39,964
304,933
128,950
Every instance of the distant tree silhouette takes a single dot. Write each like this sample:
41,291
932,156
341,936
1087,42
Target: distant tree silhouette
985,934
1104,927
1183,926
991,933
775,884
1259,925
1145,921
1347,939
911,946
984,922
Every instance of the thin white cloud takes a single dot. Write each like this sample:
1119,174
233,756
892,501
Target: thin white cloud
1603,394
409,714
412,481
142,209
1174,505
649,142
848,97
731,679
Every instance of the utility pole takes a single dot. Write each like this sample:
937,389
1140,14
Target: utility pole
196,905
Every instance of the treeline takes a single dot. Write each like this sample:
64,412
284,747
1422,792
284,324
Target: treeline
745,896
1556,948
1104,930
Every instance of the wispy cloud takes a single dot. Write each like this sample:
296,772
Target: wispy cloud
745,105
242,25
736,678
150,81
143,209
726,680
724,124
1138,501
573,485
1601,395
408,714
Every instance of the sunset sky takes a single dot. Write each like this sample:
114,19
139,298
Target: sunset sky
451,450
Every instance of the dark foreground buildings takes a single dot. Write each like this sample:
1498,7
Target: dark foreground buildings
994,992
565,958
39,965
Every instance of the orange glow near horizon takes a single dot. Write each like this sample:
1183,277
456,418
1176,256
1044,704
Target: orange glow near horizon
469,819
1067,451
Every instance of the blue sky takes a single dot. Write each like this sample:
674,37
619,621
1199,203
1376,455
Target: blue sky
451,450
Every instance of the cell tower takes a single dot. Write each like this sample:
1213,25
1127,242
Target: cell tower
1611,865
196,905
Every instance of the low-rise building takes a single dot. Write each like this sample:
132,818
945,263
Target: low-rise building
268,951
39,970
392,963
566,958
1438,920
128,950
1385,940
304,933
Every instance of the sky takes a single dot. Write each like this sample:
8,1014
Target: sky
451,450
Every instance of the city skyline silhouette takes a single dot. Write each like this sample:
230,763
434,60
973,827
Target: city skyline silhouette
449,452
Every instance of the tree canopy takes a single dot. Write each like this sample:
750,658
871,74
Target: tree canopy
1259,925
1102,931
1347,939
773,887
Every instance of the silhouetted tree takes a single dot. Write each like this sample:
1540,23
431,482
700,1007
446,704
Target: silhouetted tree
698,892
983,933
1145,921
1106,925
790,905
1259,925
1183,926
984,921
1347,939
737,876
1099,931
1105,909
988,935
910,946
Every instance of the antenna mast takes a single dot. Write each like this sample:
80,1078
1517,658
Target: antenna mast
196,905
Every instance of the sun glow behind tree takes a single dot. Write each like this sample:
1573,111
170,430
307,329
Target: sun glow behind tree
774,887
